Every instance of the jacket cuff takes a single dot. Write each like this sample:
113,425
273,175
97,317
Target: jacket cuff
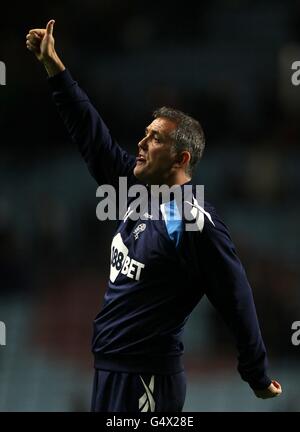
61,80
260,384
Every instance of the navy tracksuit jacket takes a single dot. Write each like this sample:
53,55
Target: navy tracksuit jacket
159,270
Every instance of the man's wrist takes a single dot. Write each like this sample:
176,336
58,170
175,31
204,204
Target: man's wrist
53,65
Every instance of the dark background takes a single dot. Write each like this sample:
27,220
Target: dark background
227,63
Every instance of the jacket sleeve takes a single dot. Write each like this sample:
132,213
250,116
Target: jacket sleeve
106,160
227,288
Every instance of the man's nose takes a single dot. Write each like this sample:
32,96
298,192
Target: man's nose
143,144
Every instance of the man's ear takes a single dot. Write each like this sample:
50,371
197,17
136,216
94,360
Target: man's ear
182,159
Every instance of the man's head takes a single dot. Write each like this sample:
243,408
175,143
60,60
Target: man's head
169,151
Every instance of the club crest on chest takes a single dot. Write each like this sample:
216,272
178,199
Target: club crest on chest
138,230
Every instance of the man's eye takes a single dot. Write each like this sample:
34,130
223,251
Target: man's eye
156,139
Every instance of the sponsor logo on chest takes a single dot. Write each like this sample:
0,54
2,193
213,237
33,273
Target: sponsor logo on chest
122,263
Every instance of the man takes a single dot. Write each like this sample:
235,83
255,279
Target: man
159,269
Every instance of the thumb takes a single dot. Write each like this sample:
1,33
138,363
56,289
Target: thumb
49,28
275,388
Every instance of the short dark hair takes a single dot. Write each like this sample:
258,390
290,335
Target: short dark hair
188,134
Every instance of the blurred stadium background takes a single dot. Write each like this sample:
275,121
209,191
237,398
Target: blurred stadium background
228,63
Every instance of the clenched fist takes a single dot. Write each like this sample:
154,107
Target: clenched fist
41,43
273,390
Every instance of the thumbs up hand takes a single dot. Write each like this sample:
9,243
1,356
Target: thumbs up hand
41,41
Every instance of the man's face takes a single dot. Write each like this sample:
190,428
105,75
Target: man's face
155,153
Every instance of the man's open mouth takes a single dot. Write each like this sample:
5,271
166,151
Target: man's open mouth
140,159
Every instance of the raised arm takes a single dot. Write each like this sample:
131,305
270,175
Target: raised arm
106,160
